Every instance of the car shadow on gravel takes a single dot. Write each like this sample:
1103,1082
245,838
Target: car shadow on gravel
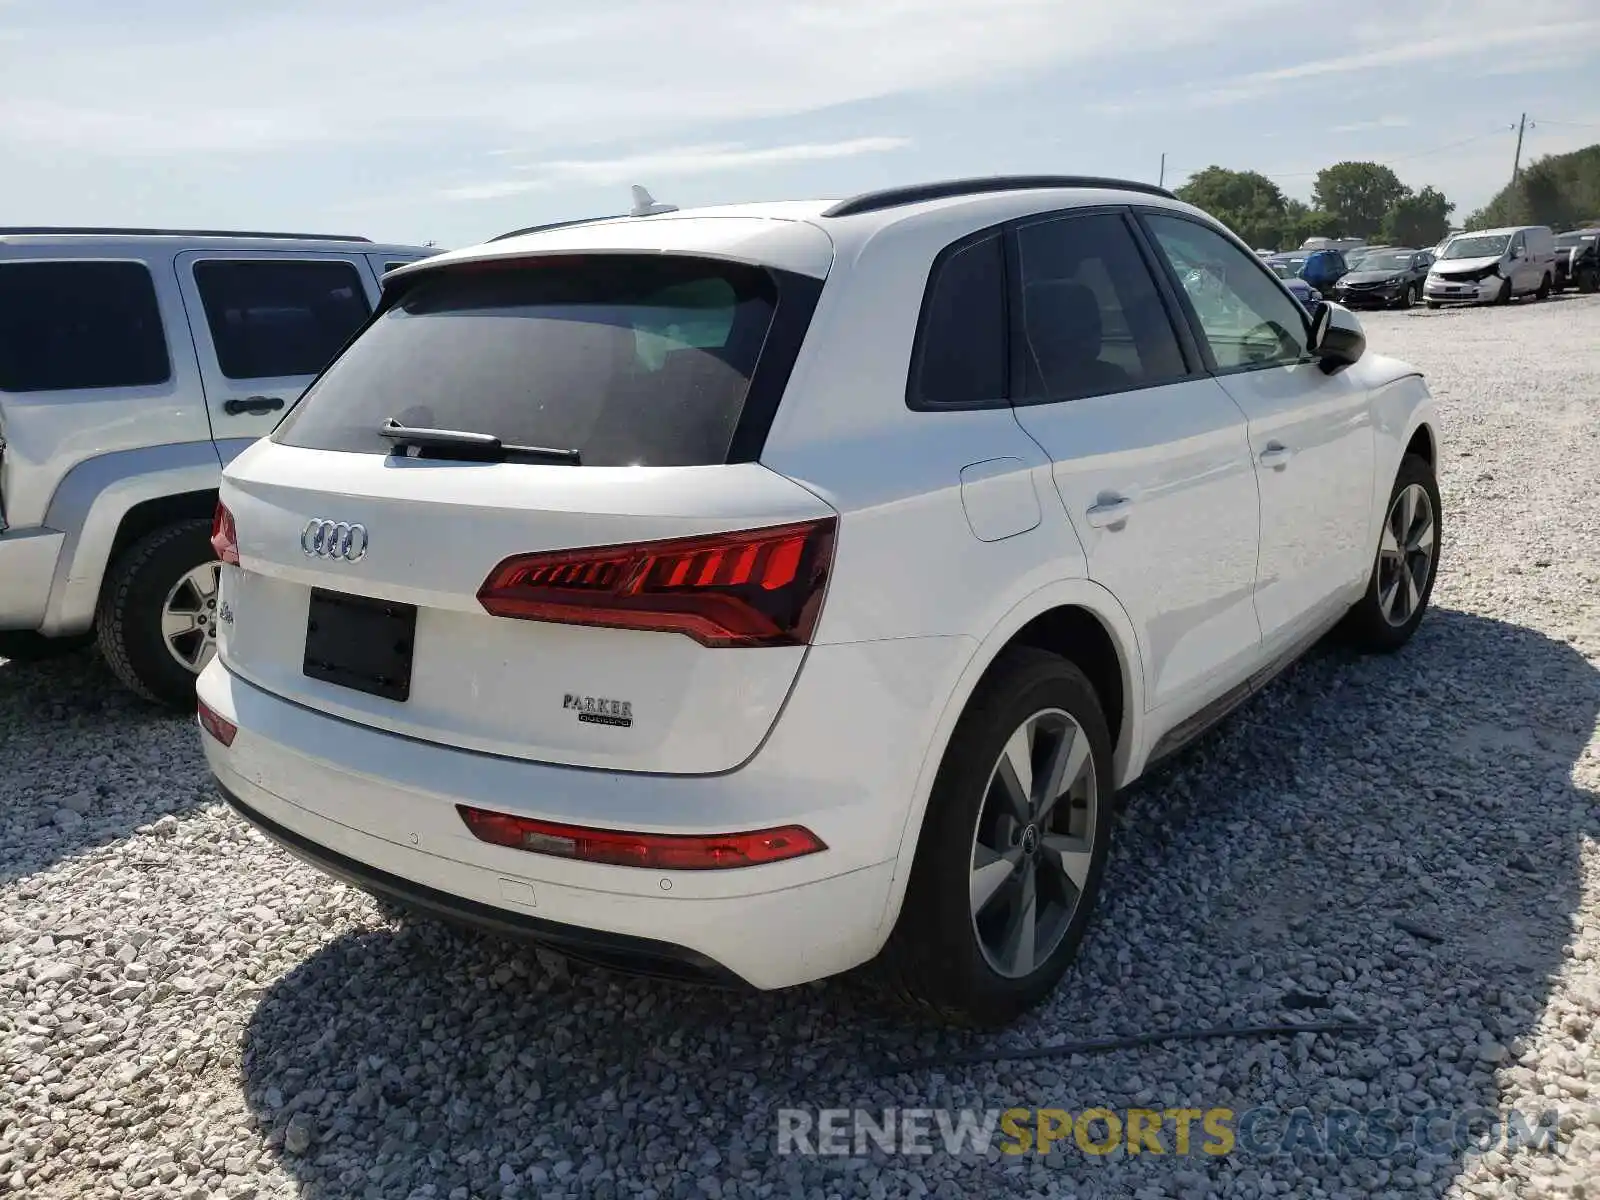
79,767
1391,840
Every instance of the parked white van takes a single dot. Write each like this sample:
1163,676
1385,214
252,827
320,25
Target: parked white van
1493,266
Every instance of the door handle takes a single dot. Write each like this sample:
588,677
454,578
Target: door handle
255,405
1110,513
1276,456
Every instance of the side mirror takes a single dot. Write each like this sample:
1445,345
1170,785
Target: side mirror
1518,252
1337,338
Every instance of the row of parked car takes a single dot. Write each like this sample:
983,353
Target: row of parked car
1491,266
744,594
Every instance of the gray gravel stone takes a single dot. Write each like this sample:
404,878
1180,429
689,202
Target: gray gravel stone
190,1013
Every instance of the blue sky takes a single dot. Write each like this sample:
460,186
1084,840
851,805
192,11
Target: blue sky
412,121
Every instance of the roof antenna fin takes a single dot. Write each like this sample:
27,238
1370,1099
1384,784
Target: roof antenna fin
644,204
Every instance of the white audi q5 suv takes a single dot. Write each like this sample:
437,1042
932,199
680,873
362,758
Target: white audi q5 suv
751,593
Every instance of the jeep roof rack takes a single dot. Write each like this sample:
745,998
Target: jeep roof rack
130,232
500,237
916,193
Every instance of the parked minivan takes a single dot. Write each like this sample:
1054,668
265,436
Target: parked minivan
1493,266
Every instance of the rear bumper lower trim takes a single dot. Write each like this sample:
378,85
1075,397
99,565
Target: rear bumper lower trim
622,952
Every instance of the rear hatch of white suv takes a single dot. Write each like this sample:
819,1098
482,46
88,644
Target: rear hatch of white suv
522,513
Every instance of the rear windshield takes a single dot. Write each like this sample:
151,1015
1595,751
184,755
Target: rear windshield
629,360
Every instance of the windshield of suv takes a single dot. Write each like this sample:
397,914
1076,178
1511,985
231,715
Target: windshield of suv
629,360
1483,246
1568,240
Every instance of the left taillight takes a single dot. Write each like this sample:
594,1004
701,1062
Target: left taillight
214,723
224,536
759,587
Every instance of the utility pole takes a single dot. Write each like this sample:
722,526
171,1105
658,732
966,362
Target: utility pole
1162,182
1516,162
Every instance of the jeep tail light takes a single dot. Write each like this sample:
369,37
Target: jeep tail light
215,723
659,851
224,537
759,587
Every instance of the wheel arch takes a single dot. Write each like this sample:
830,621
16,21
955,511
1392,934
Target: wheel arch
1069,615
92,507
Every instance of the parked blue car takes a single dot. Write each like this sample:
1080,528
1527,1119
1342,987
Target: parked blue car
1302,291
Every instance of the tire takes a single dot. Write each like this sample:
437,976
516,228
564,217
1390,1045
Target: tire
936,960
1408,298
129,621
1504,295
26,646
1372,623
1544,289
1589,282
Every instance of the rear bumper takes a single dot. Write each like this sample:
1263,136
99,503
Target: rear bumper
27,567
843,761
639,956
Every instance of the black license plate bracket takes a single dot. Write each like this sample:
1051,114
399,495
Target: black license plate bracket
360,643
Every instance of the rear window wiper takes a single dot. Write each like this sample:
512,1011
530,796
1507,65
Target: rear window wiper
470,446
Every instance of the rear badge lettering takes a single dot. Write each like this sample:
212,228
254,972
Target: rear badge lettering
596,710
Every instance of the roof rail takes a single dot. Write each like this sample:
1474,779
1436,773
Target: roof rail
500,237
219,233
918,192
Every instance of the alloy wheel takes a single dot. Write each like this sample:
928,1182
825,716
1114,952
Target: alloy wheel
1033,843
189,617
1405,554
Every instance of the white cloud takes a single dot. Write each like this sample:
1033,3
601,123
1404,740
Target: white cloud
669,164
1379,123
1480,37
541,76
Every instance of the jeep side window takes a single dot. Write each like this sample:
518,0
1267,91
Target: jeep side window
1091,317
71,325
960,357
272,318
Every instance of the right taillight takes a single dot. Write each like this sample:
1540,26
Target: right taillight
224,537
759,587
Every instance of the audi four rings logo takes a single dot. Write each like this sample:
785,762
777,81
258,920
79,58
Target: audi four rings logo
333,539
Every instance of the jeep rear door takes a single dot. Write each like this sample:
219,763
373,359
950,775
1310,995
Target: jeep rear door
265,323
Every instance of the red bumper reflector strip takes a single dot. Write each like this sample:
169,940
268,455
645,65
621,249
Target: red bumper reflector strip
216,725
659,851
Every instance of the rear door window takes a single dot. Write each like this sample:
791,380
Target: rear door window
1092,320
71,325
273,318
629,360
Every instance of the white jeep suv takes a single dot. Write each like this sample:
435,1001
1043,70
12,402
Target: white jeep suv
753,592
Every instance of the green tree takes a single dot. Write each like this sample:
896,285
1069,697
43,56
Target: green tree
1358,194
1247,202
1303,221
1560,190
1419,219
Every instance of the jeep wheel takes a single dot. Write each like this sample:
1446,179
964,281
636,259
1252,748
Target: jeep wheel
158,613
1589,281
26,646
1406,563
1012,849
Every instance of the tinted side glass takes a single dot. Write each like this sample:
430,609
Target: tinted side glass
1091,318
1246,318
629,360
270,319
68,325
961,347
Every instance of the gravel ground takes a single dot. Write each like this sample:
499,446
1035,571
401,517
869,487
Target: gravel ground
188,1012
